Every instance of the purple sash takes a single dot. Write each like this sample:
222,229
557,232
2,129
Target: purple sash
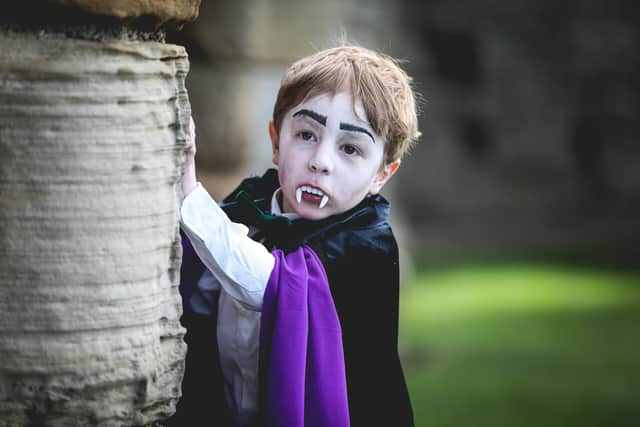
301,354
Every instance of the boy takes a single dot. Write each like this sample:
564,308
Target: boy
300,268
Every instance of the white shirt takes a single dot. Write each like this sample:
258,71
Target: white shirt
240,268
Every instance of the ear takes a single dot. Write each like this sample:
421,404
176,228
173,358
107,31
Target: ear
275,142
383,176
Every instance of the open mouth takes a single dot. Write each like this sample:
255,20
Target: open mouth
311,195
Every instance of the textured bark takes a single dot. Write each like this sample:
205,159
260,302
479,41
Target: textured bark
161,10
92,140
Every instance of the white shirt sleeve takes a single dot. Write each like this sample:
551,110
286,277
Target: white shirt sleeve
242,265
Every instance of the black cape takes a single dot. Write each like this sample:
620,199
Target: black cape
360,256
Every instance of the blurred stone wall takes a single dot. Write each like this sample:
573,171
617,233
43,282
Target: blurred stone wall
531,131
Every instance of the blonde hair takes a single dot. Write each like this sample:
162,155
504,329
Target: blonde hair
371,77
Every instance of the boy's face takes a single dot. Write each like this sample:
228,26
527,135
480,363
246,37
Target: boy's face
328,159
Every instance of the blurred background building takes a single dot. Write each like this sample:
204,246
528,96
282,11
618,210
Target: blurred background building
529,126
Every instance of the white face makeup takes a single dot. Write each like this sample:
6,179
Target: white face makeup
328,159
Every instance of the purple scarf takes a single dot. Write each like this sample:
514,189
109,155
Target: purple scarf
301,355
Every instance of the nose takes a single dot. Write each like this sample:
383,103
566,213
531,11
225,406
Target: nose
320,161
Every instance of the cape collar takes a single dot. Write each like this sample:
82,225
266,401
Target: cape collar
250,204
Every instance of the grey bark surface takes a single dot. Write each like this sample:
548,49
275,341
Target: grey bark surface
162,10
92,141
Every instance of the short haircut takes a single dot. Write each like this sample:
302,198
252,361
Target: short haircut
371,77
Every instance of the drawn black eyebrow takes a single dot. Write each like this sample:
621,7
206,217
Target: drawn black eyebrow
347,126
315,116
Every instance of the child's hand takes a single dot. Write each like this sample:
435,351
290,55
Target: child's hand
191,142
189,181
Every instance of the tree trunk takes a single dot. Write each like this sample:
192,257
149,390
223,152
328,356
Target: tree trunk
92,141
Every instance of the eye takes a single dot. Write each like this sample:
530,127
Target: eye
350,149
306,135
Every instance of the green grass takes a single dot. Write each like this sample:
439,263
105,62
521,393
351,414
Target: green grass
522,345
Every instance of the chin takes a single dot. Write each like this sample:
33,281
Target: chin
314,214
